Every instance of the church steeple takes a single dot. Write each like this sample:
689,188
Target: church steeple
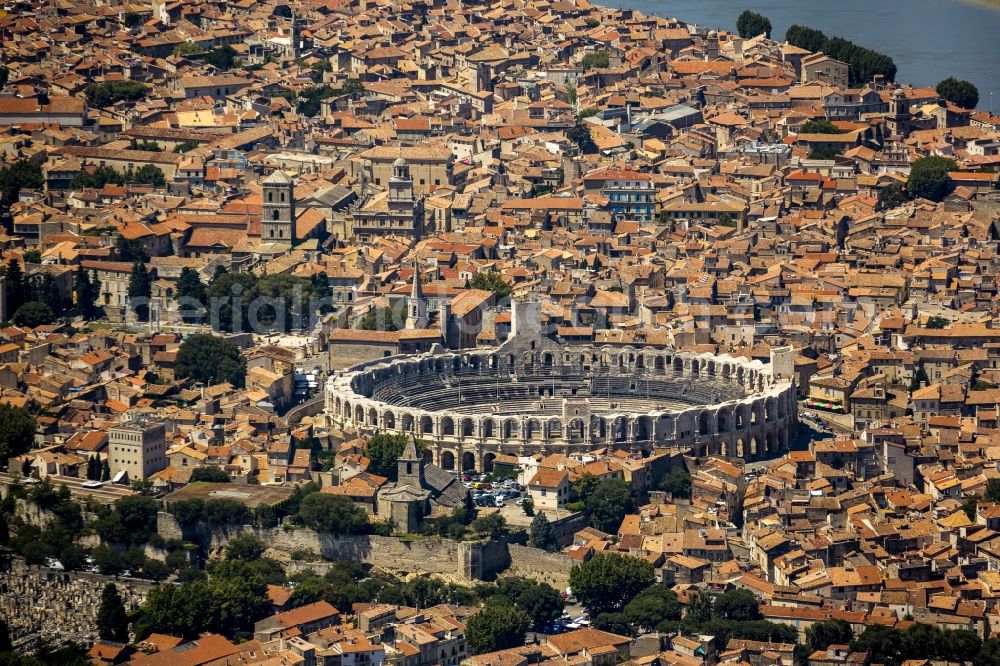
410,466
416,314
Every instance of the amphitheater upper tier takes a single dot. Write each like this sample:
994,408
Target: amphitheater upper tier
534,396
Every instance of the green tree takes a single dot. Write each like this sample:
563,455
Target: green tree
246,548
319,68
190,295
334,514
542,602
17,431
379,319
15,280
383,450
699,610
959,645
608,581
111,92
892,196
32,256
750,24
187,49
739,605
311,98
809,39
929,178
828,632
210,474
607,504
883,642
596,59
320,292
222,57
824,153
147,174
920,640
543,535
580,135
937,322
491,526
353,88
230,296
131,523
959,92
655,608
821,126
87,292
34,313
130,250
186,146
20,175
96,177
112,621
989,653
677,482
498,626
212,360
154,569
140,291
491,281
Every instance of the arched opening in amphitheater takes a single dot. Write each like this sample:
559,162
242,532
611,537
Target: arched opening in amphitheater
469,407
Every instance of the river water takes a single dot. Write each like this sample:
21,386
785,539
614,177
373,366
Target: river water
929,40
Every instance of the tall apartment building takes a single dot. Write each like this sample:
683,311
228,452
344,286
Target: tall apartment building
137,447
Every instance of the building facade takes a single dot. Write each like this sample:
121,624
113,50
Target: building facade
138,448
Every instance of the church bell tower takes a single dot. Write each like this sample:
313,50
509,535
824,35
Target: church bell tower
278,210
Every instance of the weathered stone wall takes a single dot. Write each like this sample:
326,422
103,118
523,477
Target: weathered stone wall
551,568
457,560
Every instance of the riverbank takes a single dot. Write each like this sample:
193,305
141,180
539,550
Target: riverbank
929,40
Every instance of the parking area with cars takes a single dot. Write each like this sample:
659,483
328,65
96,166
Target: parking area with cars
487,493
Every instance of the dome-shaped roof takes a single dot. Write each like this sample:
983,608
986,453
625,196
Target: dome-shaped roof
399,162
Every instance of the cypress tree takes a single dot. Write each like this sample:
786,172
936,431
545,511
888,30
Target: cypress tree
112,621
140,286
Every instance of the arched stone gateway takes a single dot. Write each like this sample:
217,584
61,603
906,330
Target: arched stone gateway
533,396
448,460
468,461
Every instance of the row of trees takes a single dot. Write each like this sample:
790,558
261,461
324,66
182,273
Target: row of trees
98,177
919,641
239,302
864,63
111,92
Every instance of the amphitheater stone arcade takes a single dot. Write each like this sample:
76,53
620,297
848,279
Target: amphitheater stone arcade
533,396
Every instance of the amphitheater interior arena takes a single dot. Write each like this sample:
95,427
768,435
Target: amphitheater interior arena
532,395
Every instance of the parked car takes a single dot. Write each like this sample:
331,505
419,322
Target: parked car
93,484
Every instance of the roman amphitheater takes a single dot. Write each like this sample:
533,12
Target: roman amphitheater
531,395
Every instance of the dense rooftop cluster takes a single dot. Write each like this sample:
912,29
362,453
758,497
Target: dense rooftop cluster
213,211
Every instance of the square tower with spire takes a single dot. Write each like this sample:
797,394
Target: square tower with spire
278,210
